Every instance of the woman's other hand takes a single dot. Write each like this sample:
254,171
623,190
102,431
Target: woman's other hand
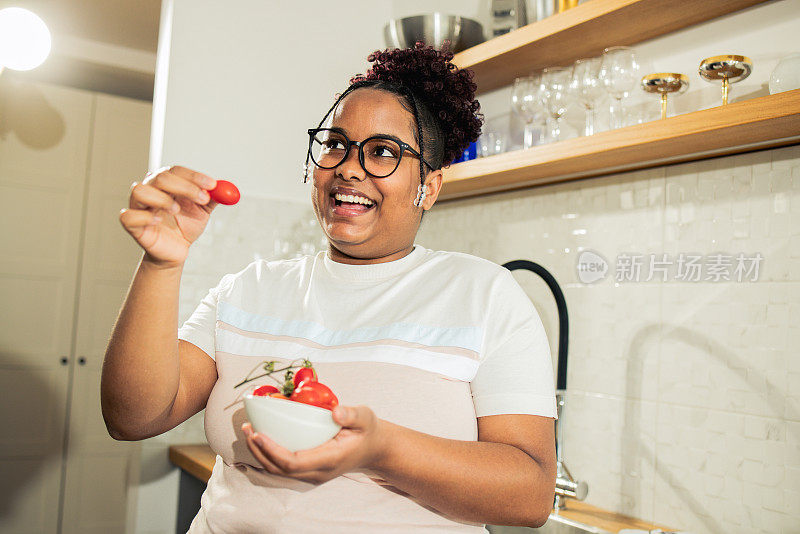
359,444
167,212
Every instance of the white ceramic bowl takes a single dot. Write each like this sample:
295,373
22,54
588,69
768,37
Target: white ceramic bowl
291,424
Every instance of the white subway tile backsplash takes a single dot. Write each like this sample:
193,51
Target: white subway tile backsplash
792,480
704,476
791,502
716,361
606,435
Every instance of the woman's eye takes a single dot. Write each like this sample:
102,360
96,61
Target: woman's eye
333,144
383,151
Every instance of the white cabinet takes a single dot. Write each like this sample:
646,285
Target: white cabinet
67,159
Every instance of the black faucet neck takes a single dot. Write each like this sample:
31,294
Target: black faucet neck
563,319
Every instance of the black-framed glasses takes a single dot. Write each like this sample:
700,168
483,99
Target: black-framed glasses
378,155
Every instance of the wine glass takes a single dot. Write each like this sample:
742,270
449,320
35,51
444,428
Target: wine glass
586,86
619,72
526,101
492,140
555,82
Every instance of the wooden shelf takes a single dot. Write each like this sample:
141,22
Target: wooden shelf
763,122
584,31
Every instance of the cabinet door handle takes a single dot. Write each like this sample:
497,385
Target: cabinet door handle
82,360
64,360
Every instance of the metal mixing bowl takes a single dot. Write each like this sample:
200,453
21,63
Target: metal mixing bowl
433,29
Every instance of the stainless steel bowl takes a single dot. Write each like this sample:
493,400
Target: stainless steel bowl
433,29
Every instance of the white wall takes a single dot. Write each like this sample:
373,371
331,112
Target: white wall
247,78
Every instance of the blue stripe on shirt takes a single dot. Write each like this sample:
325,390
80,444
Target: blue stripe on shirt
467,337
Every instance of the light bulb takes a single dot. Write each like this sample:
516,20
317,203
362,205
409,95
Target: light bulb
24,39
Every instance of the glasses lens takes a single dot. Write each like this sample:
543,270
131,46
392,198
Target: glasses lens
381,156
328,149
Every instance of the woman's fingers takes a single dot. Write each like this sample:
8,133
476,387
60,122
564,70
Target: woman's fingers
198,178
167,212
144,196
255,448
279,466
320,459
261,457
312,477
184,182
134,219
160,191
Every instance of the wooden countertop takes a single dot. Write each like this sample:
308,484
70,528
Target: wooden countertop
198,461
598,517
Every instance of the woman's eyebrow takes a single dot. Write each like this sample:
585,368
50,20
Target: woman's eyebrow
389,136
372,134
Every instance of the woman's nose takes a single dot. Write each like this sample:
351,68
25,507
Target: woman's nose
351,166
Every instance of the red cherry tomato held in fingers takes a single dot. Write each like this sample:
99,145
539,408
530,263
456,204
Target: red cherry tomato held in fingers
263,391
225,193
303,374
316,394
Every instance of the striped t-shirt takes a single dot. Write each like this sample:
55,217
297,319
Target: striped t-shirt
430,341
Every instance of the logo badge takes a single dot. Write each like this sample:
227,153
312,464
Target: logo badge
591,267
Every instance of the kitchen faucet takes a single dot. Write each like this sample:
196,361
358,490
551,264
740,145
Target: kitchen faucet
566,486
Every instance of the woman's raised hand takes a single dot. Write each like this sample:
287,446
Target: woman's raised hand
167,212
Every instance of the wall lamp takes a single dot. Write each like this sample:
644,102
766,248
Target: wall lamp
24,39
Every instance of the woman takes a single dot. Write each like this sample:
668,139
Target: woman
439,360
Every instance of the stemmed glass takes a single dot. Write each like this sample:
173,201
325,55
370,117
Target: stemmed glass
587,88
619,72
526,101
555,82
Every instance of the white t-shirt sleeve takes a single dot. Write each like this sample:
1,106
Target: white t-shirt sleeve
200,328
515,375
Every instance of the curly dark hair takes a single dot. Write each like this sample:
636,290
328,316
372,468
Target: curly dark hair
444,95
440,96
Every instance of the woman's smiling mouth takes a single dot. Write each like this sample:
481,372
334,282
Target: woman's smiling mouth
349,209
349,202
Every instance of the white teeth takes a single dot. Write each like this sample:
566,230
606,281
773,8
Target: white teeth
353,199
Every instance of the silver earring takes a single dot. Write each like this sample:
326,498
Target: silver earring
421,192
